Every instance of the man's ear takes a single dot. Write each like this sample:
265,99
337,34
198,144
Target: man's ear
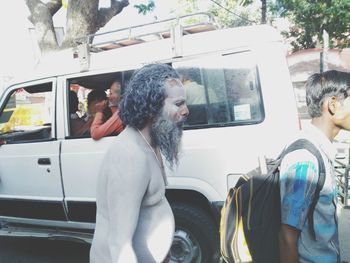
332,105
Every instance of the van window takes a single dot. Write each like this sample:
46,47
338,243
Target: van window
222,90
27,114
82,86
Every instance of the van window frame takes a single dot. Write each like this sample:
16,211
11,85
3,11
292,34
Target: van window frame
68,79
258,86
172,62
10,91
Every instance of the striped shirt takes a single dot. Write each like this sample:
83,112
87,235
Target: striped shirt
299,175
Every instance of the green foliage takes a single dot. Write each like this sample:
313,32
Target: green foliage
246,2
227,13
185,7
233,13
144,9
311,17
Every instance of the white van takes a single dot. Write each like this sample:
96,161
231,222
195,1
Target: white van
247,111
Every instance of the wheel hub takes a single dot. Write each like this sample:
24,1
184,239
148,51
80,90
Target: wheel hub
185,248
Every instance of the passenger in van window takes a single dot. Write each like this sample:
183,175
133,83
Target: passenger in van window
115,92
78,126
328,102
195,93
134,221
2,142
105,121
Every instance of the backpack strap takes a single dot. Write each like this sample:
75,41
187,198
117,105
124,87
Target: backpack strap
309,146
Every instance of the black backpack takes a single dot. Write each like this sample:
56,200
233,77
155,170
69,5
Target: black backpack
251,215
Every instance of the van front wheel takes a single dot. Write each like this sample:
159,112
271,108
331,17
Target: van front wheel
196,237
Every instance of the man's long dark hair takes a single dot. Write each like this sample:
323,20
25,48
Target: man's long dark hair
145,94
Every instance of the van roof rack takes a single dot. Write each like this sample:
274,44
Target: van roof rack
162,29
173,28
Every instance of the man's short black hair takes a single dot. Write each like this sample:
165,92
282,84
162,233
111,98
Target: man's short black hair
96,95
73,102
322,85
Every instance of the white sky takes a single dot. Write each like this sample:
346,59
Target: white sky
16,48
15,41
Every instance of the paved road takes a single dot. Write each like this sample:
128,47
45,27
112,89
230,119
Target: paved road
29,250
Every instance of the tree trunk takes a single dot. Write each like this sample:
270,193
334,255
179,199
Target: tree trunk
263,11
41,18
81,20
84,18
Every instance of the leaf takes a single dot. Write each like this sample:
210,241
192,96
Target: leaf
246,2
144,9
311,17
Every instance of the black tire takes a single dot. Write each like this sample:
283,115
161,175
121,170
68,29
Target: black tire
196,238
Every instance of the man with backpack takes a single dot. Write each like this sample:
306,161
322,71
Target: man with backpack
315,240
286,212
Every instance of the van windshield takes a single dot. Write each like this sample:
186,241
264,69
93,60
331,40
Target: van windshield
222,90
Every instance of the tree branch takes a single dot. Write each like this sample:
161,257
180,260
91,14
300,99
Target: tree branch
54,6
41,18
32,4
106,14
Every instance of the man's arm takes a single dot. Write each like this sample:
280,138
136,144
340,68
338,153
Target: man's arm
298,180
99,129
288,238
126,187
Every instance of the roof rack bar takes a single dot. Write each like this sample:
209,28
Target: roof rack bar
86,39
144,33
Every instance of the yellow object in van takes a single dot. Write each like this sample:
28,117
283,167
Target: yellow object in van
22,116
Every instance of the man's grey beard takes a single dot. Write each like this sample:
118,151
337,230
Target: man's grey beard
167,134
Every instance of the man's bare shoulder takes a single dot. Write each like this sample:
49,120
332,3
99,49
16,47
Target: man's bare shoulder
124,166
126,147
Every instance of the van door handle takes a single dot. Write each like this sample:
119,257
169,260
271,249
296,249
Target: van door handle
44,161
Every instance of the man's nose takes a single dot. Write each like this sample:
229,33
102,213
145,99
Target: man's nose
185,111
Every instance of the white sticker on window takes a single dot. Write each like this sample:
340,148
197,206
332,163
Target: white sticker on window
242,112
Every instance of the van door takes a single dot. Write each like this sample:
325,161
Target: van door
30,178
81,156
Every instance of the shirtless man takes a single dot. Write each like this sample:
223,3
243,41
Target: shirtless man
134,221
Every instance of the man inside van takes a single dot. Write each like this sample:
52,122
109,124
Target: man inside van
114,98
134,221
195,93
106,120
78,126
328,101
